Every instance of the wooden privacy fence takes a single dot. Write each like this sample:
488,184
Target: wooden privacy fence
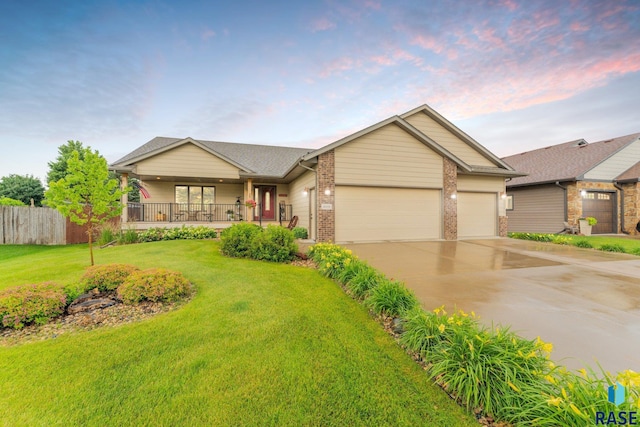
24,225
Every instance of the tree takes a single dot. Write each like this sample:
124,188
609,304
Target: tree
23,188
86,195
58,169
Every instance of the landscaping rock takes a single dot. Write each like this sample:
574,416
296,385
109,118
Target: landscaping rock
90,304
396,325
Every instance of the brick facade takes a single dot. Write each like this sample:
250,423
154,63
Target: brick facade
450,186
326,181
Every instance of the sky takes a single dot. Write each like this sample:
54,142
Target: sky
513,74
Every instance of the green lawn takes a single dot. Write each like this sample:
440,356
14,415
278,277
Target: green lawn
260,344
629,245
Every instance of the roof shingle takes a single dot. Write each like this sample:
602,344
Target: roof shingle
564,162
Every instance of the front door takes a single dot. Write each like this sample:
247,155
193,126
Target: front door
266,197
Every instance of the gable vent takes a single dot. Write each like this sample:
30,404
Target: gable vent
581,144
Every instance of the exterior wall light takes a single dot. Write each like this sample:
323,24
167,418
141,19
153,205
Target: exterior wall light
305,192
454,196
583,193
327,192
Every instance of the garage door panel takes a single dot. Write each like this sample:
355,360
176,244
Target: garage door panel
371,214
477,214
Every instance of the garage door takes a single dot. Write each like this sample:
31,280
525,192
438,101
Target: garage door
370,214
477,214
601,206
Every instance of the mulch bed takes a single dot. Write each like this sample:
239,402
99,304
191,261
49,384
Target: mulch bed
117,314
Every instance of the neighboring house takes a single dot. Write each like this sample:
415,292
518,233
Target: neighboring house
576,179
410,177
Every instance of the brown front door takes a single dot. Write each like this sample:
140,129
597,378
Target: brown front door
266,197
601,206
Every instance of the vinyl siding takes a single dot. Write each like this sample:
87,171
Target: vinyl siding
616,164
447,140
481,183
537,209
164,192
187,160
300,202
388,157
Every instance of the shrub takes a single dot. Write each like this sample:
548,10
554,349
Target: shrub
584,243
612,248
158,285
561,240
300,233
635,251
331,259
31,304
156,234
274,243
391,298
236,240
364,281
128,236
350,270
107,233
106,277
536,237
7,201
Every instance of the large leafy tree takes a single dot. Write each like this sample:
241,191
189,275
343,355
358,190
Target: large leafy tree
23,188
86,195
58,168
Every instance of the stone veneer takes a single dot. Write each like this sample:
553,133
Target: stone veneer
326,181
450,185
503,223
574,199
631,207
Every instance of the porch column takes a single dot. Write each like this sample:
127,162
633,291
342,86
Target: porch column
248,196
450,199
124,182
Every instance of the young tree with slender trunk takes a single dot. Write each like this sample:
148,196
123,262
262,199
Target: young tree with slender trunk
86,195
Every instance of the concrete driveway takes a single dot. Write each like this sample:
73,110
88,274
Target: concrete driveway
586,302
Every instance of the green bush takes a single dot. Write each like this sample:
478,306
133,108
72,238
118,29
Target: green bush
300,233
331,259
156,234
106,277
26,304
158,285
635,251
350,270
236,240
612,248
364,281
6,201
583,243
391,298
274,243
128,237
536,237
107,233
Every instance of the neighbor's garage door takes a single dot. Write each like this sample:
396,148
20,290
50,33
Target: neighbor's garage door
369,214
477,214
601,206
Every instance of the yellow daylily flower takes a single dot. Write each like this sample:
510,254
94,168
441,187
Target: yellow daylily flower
441,328
555,401
513,386
575,409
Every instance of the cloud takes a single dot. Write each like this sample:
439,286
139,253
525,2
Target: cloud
207,34
322,24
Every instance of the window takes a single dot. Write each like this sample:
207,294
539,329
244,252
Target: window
195,194
508,203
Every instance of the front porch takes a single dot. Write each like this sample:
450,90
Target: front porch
215,215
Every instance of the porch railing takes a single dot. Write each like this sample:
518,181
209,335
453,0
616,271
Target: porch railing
199,212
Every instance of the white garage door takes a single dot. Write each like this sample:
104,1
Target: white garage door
477,214
370,214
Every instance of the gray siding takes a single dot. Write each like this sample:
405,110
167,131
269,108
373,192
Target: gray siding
537,209
616,164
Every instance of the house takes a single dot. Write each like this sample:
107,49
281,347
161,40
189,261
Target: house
576,179
410,177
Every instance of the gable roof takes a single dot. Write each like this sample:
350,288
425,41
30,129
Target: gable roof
501,168
568,161
251,159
